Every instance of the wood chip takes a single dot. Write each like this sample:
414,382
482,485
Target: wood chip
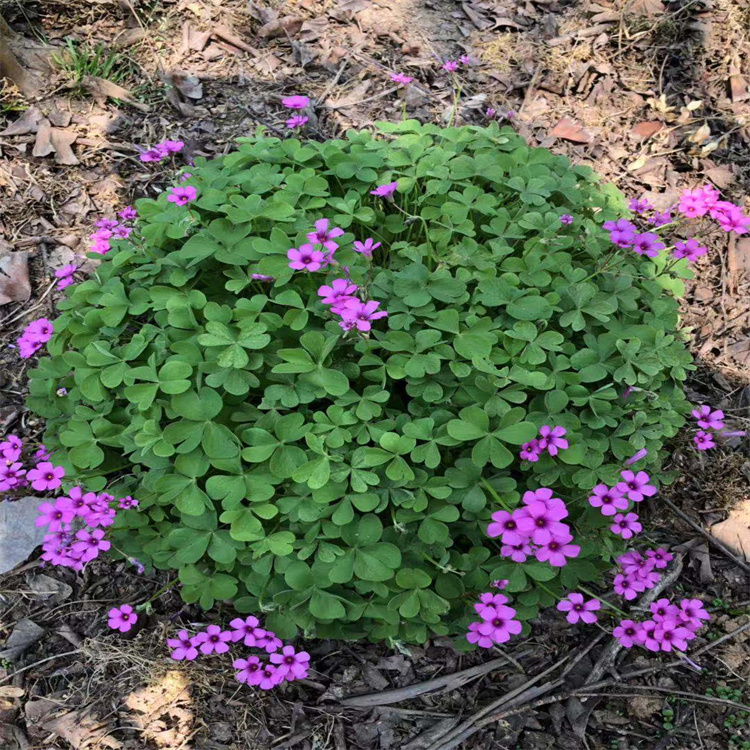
570,130
222,32
14,277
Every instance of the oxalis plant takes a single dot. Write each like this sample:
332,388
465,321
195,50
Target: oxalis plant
353,383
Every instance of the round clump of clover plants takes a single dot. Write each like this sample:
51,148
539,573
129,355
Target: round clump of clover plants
353,383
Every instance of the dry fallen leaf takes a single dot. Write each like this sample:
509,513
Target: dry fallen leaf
14,277
25,633
62,140
43,143
101,89
288,25
702,134
570,130
738,88
82,731
735,531
647,129
188,85
27,123
351,98
9,692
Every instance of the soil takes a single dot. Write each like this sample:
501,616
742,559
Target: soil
653,94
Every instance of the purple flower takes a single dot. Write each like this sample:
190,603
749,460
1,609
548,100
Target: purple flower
267,640
121,232
500,583
127,502
296,102
609,499
627,633
709,419
505,525
621,232
362,313
510,114
122,618
639,205
626,525
636,457
128,213
543,524
578,609
339,291
627,586
692,613
660,557
249,671
213,640
516,552
366,247
169,147
400,79
385,191
44,476
11,448
307,258
530,451
297,121
690,249
648,244
663,609
151,154
290,664
671,634
543,495
11,475
182,647
552,439
450,65
566,219
105,223
704,440
645,635
325,236
245,630
261,277
490,113
636,487
464,60
661,219
557,551
270,678
498,624
65,274
182,195
90,544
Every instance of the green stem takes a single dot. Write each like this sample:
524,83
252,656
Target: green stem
494,494
603,601
161,591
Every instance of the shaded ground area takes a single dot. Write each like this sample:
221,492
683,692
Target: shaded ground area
650,93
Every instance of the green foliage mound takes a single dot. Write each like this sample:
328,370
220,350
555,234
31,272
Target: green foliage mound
342,483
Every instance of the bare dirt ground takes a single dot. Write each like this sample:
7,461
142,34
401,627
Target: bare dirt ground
653,94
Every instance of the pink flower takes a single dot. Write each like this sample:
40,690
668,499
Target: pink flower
213,640
42,454
628,586
557,551
290,664
39,331
498,624
671,634
609,499
182,195
490,113
505,525
269,677
11,475
647,244
464,60
645,635
307,258
297,121
296,102
543,524
636,487
704,440
90,544
661,219
65,275
165,148
636,457
530,451
267,640
122,232
245,630
366,247
709,419
566,219
151,154
262,277
339,291
450,65
385,191
44,476
627,633
11,448
621,232
578,609
516,552
543,495
489,599
689,249
661,558
663,609
626,526
639,205
105,223
362,313
551,439
400,79
500,583
249,671
692,613
126,503
182,647
128,213
730,217
100,247
325,236
122,618
185,176
692,204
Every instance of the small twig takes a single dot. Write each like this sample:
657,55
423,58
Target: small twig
711,539
36,664
334,80
13,318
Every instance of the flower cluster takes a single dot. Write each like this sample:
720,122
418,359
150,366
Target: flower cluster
710,421
111,229
182,195
496,622
635,488
535,527
706,200
550,439
161,151
14,476
65,275
296,103
640,573
670,627
285,664
453,65
34,337
400,79
76,523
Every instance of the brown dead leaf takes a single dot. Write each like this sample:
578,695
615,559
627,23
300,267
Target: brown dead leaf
188,85
14,277
197,40
288,25
738,260
222,32
313,29
570,130
129,38
701,135
475,16
645,130
738,88
735,531
351,98
43,143
27,123
7,695
62,140
261,13
82,731
346,9
721,176
101,89
647,8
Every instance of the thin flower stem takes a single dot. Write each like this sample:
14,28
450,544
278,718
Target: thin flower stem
162,590
494,494
603,601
